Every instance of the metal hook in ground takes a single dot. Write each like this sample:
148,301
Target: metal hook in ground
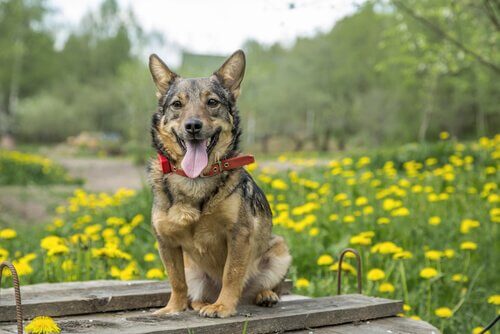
17,293
339,271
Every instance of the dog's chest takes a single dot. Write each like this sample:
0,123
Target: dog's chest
208,236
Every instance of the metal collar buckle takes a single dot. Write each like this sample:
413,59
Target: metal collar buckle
217,170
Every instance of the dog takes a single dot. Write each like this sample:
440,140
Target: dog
212,222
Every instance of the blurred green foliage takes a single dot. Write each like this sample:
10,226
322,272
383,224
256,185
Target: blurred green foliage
394,71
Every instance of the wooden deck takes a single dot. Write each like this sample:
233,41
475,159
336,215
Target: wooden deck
112,307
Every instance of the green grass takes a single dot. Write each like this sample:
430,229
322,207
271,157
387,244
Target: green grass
380,204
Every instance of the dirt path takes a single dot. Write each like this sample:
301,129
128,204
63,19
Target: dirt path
105,174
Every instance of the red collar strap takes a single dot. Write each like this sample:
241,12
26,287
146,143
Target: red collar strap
217,168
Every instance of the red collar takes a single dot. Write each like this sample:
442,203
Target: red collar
217,168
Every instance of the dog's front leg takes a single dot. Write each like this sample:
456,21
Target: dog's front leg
173,261
235,269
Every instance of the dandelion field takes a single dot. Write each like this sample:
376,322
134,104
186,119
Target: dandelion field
425,219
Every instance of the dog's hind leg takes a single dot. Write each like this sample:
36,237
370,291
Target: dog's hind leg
202,289
272,268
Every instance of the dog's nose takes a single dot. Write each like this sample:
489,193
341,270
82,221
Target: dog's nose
193,126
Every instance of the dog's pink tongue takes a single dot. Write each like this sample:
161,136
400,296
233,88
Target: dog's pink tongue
196,158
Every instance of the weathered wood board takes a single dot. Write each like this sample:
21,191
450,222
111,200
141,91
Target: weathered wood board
58,299
83,298
286,316
394,325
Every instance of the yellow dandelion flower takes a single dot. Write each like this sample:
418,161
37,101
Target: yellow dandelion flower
345,267
51,241
67,265
282,207
467,224
383,221
368,210
479,330
252,167
468,245
155,273
349,219
79,238
92,229
115,221
386,288
376,275
124,230
400,212
4,254
58,250
404,255
417,188
433,255
490,170
459,278
406,308
386,247
314,232
302,283
42,325
444,135
360,240
325,260
340,197
434,220
333,217
149,257
428,273
443,312
360,201
494,299
431,161
449,253
136,220
7,234
279,184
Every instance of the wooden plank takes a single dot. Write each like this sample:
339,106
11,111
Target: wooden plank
396,325
84,297
286,316
59,299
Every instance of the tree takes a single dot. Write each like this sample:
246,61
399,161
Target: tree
26,56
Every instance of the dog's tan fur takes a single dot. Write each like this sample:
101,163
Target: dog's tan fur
222,250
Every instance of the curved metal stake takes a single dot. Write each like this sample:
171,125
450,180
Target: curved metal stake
17,293
339,271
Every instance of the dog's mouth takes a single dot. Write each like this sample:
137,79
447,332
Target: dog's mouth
196,152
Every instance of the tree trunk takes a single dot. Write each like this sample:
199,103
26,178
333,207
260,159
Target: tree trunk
264,142
298,142
428,109
341,143
325,145
7,139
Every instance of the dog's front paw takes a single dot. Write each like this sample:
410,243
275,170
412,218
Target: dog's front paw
198,305
217,310
266,298
170,310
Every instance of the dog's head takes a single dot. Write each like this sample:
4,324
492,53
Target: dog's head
197,121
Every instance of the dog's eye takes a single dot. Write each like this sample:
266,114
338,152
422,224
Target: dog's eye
176,105
212,103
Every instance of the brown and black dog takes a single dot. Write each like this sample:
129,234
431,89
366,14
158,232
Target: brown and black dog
214,233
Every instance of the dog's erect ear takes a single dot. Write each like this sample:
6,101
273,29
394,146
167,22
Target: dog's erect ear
162,75
231,72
